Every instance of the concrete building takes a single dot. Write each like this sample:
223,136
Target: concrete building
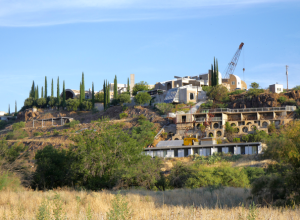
276,88
245,120
204,148
2,113
234,83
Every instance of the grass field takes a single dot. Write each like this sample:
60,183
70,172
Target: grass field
205,203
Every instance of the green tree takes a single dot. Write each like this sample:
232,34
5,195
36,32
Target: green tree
46,88
58,93
115,88
83,86
52,90
104,94
64,95
124,98
254,85
29,102
36,96
93,95
42,92
80,95
52,101
141,86
142,98
108,95
218,93
217,73
72,104
41,102
16,109
164,108
99,97
128,86
32,91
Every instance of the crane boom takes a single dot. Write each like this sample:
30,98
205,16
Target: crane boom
231,66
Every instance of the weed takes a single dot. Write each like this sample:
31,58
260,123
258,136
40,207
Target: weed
252,212
38,134
72,124
43,211
57,211
55,132
123,115
120,209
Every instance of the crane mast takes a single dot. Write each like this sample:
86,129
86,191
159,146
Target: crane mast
231,66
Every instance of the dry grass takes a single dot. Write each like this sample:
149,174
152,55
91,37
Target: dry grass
175,204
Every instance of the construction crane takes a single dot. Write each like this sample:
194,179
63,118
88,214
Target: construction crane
231,66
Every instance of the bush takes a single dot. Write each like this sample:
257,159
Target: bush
29,102
38,134
271,128
87,105
17,134
18,125
124,98
236,140
254,85
99,97
120,209
296,88
164,108
72,124
206,88
236,92
142,117
208,104
291,102
124,108
142,98
123,115
141,86
218,93
52,101
254,92
41,102
254,173
55,132
72,104
3,124
9,181
281,99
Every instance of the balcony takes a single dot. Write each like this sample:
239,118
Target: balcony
200,119
218,110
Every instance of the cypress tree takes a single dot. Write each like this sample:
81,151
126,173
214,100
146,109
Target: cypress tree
52,91
214,72
46,87
212,76
32,91
108,95
8,108
217,73
115,88
128,86
93,95
83,86
58,95
37,92
42,92
80,96
64,95
16,109
104,93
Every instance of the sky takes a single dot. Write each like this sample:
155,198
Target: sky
153,39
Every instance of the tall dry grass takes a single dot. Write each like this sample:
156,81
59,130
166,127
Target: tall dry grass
176,204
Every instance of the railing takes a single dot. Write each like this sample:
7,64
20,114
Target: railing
216,119
287,108
200,119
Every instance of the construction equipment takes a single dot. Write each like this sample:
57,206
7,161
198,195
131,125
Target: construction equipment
190,141
231,66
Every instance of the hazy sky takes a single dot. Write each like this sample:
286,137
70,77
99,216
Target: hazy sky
154,39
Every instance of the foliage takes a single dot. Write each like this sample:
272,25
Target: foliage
9,181
254,173
229,129
214,73
291,102
218,93
254,85
120,209
124,108
208,104
38,134
257,136
72,104
87,105
3,124
123,115
52,101
124,98
99,97
236,140
55,132
18,125
271,128
141,86
281,99
72,124
142,98
17,134
254,92
145,132
296,88
221,105
29,102
164,135
41,102
206,88
164,108
236,92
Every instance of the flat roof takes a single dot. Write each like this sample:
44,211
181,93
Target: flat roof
200,146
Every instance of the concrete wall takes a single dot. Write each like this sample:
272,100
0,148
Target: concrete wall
99,106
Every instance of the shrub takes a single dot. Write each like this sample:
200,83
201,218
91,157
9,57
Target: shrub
124,98
141,86
245,138
72,104
38,134
164,108
123,115
18,125
124,108
291,102
221,105
9,181
254,85
55,132
99,97
17,134
142,117
72,124
29,102
142,98
236,92
3,124
41,102
218,93
236,140
206,88
254,173
271,128
120,209
52,101
296,88
208,104
87,105
254,92
164,135
281,99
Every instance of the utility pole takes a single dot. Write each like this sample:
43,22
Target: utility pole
287,78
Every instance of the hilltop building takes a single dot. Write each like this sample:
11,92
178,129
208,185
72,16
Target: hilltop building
276,88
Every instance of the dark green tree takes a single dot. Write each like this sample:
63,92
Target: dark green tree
141,86
217,73
142,98
32,91
128,86
46,88
108,95
93,95
52,90
64,95
80,96
83,86
115,88
58,93
42,92
212,78
16,109
8,108
36,95
104,92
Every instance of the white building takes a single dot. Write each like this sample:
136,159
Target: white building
2,113
276,88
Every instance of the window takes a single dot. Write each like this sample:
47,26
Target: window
233,83
238,83
191,96
278,89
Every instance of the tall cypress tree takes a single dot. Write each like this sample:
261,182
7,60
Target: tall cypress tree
64,95
58,95
80,96
52,91
104,93
217,73
93,95
108,95
32,91
83,86
212,76
42,92
16,109
8,108
36,93
115,88
128,86
46,87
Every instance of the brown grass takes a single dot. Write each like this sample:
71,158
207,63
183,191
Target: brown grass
175,204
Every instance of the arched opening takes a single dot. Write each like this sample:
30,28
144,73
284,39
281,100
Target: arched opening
169,86
233,124
210,135
253,127
237,130
249,123
216,125
265,124
245,129
176,139
219,133
69,95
